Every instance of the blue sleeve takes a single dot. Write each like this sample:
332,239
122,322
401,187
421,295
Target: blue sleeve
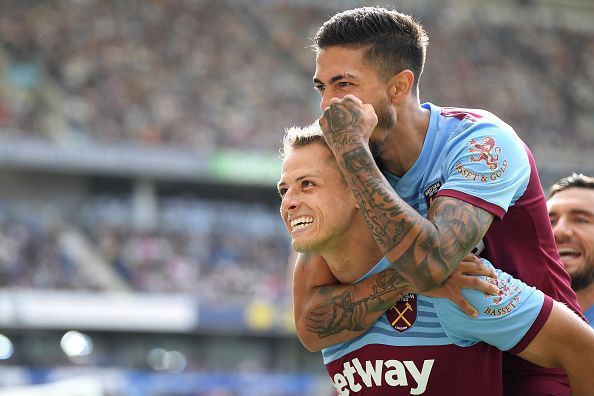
502,321
487,161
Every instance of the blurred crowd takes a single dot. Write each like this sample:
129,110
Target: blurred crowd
204,76
208,249
231,74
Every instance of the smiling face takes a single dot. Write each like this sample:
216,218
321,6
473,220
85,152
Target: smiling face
572,217
341,71
317,205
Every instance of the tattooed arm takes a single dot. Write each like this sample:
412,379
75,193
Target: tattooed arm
327,313
424,251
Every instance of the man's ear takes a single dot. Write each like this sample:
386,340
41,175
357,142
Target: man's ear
400,86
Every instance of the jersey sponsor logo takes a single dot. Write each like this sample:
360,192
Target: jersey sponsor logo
403,314
486,151
506,289
357,375
431,191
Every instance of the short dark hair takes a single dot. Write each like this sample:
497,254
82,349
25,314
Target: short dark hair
574,180
393,41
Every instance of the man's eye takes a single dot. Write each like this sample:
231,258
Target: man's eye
282,192
319,87
344,84
307,183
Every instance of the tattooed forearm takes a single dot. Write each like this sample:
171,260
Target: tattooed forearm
426,252
345,311
388,217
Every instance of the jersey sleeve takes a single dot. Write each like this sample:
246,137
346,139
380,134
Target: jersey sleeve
508,321
487,166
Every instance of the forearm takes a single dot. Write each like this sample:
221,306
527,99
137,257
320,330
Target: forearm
565,341
425,253
338,313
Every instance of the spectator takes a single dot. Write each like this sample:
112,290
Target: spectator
571,210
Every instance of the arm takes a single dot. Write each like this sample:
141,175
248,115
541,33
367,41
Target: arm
426,250
327,313
565,341
523,321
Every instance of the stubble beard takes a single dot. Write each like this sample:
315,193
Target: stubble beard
584,278
385,122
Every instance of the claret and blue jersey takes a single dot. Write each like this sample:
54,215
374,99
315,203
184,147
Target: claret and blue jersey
424,343
428,346
474,156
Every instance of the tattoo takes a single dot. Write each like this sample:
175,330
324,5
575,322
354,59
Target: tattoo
426,251
345,312
342,124
341,119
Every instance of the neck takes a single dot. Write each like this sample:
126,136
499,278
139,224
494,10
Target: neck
353,256
404,142
585,297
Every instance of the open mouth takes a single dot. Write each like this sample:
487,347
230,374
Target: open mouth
569,253
300,223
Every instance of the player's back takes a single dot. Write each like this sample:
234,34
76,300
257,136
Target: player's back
473,156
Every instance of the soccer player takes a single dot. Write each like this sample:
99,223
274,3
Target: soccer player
571,210
434,183
422,345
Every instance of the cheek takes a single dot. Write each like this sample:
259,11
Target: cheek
588,243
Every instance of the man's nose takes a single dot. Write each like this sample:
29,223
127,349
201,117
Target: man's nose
562,230
326,98
290,201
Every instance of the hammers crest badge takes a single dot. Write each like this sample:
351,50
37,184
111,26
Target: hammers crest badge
403,314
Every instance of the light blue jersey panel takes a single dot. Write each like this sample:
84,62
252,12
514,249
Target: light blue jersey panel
486,160
502,320
468,151
426,331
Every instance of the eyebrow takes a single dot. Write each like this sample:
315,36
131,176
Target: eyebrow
338,77
575,212
582,211
279,184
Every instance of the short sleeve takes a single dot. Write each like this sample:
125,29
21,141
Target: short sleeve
487,165
503,320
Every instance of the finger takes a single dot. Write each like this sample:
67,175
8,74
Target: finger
368,107
323,121
468,309
473,265
487,270
472,282
352,98
336,100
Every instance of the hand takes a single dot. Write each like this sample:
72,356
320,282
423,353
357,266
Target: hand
465,276
346,121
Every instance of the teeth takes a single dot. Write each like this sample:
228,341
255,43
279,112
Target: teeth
568,251
301,223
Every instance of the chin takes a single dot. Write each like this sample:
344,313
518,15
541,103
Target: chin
303,246
299,247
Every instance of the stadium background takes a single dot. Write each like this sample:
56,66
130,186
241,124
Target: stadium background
141,252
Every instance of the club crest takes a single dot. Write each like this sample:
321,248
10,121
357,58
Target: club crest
403,314
486,151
